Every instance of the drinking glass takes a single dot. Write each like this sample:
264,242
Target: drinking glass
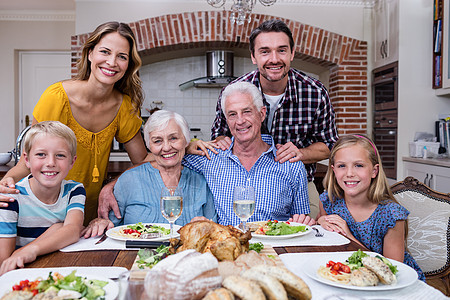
171,204
244,203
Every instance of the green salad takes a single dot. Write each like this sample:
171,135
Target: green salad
74,287
148,258
148,228
282,228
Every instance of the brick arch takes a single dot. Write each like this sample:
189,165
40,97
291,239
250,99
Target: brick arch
345,57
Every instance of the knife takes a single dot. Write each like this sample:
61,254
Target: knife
144,244
102,239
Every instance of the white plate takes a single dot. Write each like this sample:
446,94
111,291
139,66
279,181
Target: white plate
112,233
282,237
13,277
405,276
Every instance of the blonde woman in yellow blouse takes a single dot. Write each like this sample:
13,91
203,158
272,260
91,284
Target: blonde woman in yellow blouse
102,102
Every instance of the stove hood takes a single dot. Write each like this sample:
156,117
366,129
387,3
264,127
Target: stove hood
219,71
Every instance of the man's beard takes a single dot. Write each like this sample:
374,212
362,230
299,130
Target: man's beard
266,76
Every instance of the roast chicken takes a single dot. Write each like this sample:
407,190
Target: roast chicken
224,242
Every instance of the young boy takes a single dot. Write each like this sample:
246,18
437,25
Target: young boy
48,213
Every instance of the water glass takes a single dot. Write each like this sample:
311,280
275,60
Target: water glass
171,204
244,203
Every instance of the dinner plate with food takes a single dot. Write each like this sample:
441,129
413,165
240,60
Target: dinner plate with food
359,270
143,231
277,230
57,283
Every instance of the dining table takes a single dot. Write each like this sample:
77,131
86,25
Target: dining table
124,258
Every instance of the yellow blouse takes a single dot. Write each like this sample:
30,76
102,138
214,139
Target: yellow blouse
93,149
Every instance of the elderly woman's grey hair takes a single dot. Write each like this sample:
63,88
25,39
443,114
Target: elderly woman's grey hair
243,88
159,121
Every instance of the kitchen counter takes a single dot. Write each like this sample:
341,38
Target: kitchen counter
441,162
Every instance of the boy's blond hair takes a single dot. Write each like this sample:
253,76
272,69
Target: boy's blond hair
52,128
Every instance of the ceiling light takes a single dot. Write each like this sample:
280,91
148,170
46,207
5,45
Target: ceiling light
240,9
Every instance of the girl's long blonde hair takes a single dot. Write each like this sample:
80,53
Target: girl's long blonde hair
130,84
379,189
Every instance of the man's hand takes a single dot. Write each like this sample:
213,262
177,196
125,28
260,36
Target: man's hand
303,219
107,201
96,227
7,186
287,152
199,147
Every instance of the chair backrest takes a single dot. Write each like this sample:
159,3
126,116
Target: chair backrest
428,225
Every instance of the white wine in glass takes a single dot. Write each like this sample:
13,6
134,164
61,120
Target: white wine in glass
171,204
244,203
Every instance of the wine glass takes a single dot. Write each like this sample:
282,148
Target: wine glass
244,203
171,204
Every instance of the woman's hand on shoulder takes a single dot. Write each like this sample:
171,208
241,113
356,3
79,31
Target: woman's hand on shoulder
199,147
96,227
7,186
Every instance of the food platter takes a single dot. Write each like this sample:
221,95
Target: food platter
13,277
282,237
405,276
114,233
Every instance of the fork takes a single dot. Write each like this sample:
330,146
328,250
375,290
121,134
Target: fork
318,233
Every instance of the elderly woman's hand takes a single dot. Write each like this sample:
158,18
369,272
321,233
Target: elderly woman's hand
199,147
96,227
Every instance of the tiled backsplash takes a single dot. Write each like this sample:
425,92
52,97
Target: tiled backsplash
197,105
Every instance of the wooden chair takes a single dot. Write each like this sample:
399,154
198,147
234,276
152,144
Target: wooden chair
428,229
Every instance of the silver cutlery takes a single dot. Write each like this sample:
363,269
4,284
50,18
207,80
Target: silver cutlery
318,233
151,235
102,239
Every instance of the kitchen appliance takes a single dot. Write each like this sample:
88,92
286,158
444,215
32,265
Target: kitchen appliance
219,71
385,94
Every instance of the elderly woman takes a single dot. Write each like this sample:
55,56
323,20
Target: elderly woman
138,190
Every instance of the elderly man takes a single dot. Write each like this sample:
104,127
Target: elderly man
300,116
281,189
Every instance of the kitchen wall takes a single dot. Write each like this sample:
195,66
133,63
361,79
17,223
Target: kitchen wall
25,30
197,105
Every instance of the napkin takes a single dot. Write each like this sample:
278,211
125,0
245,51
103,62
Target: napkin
329,238
418,290
89,244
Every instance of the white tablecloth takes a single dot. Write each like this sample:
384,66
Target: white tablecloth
320,291
328,239
89,244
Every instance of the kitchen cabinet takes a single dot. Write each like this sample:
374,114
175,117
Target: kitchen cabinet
433,172
385,32
441,49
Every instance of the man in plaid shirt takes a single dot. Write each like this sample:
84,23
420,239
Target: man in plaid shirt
280,189
300,116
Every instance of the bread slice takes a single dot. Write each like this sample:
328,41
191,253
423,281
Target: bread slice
294,285
271,287
243,288
219,294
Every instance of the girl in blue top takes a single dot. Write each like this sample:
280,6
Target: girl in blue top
359,204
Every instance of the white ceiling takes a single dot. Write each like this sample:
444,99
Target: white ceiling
70,4
37,5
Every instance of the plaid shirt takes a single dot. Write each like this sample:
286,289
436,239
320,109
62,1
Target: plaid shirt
280,189
304,115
